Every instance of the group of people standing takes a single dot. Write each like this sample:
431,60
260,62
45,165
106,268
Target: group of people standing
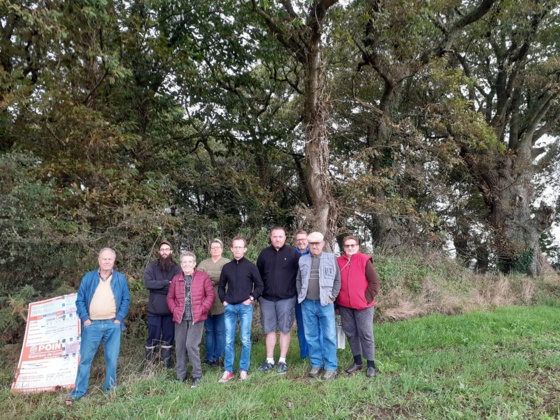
304,283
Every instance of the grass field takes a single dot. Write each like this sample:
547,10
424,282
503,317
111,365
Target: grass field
500,365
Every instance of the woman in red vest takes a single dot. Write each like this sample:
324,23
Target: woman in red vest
359,285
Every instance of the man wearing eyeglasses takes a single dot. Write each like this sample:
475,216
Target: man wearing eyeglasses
240,284
318,284
157,277
359,286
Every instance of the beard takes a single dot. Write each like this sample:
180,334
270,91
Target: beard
166,263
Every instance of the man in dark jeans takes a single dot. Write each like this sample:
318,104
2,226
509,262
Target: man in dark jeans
157,277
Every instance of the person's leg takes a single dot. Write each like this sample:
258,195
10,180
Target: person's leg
194,336
167,336
210,339
268,323
303,349
231,325
154,332
89,343
245,321
112,347
181,350
347,316
364,324
219,336
285,315
328,328
311,325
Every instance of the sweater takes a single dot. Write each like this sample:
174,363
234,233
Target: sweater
240,279
278,270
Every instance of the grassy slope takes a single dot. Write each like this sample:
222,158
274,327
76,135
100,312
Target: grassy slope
499,364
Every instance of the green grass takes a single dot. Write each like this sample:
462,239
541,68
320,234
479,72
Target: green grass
499,364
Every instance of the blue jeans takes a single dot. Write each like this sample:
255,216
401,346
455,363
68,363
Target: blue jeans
245,315
303,348
319,321
109,333
215,337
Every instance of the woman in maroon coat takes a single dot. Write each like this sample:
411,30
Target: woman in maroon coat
190,297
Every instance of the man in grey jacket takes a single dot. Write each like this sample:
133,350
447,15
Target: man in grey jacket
318,284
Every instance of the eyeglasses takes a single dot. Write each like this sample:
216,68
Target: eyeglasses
238,247
301,239
350,245
215,247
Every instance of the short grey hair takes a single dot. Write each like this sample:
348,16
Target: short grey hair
188,254
108,249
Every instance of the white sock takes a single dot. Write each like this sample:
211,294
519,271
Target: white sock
282,360
270,360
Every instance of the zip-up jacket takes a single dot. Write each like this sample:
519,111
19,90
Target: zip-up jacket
329,277
278,270
202,296
356,290
242,279
157,282
87,289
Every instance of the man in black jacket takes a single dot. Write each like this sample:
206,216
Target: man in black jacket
278,267
157,277
240,284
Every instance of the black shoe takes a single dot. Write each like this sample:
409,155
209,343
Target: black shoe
195,382
282,367
370,372
265,367
354,368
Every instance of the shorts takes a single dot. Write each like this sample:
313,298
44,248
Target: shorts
277,314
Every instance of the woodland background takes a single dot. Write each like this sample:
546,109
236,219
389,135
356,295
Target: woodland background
412,124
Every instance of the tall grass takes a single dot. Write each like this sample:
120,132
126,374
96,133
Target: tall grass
499,364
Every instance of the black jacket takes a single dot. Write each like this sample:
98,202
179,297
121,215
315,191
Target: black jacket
242,279
157,282
278,270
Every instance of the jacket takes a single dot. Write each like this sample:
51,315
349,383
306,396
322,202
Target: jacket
354,283
329,277
202,296
278,270
242,279
157,282
87,289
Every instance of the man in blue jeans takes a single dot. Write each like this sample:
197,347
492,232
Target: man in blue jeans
102,304
240,284
318,284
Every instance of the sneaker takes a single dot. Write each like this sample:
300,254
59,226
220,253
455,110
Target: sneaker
195,382
282,367
265,367
226,377
243,375
354,368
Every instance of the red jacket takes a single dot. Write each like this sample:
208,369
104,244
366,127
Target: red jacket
354,283
202,296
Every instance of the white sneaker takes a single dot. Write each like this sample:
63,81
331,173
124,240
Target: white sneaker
243,375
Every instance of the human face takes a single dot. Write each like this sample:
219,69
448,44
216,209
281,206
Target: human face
238,249
316,248
187,264
278,238
301,241
165,251
106,261
351,247
216,250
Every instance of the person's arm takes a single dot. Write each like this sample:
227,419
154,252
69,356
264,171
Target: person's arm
151,281
208,294
258,285
336,283
222,285
125,299
81,300
170,298
373,282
